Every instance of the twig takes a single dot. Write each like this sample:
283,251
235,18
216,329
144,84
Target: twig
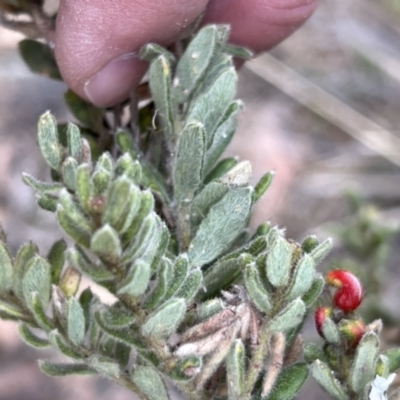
327,106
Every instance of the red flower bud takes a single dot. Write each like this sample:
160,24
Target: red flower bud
320,315
352,330
349,294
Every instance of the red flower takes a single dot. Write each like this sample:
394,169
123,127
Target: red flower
349,294
320,315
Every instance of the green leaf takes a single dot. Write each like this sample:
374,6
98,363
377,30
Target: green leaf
209,196
40,58
321,251
41,187
146,207
48,140
48,202
56,258
223,273
58,369
79,260
312,352
161,288
330,331
195,60
303,277
180,271
74,142
160,85
75,321
191,285
6,270
106,244
326,379
222,225
106,366
364,364
256,289
165,319
221,169
314,292
186,368
279,262
289,382
32,339
39,313
394,358
288,318
58,342
37,279
24,255
189,162
137,280
151,51
222,136
147,239
238,51
100,179
209,107
235,370
73,221
130,168
309,243
382,366
117,317
87,113
208,309
150,383
263,184
117,202
83,185
11,311
105,162
69,170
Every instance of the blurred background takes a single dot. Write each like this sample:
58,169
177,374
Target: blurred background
322,110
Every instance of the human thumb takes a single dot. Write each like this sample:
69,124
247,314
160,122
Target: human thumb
97,42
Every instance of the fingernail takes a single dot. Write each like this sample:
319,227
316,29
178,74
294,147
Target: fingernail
112,84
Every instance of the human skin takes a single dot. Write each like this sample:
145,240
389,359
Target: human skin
97,41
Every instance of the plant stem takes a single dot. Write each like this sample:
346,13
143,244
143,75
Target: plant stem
257,360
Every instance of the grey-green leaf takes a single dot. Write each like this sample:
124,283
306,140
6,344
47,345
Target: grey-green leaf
303,277
165,319
279,262
364,364
209,109
150,383
37,278
41,187
321,251
289,317
137,280
6,270
106,244
58,369
31,338
324,376
289,382
235,369
189,162
74,142
160,84
222,225
75,321
48,140
256,289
